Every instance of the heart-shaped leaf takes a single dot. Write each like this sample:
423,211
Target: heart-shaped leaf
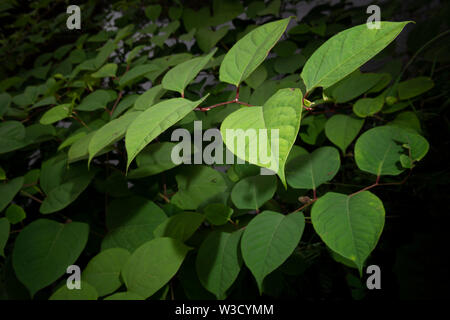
153,264
219,261
342,129
44,249
379,149
270,129
349,225
268,240
103,271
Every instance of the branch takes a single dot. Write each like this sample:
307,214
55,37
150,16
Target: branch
115,103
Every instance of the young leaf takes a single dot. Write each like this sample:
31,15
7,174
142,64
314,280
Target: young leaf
154,121
250,51
180,226
268,240
177,78
44,249
15,213
153,264
86,292
219,261
378,150
253,192
309,171
342,129
103,271
56,113
349,225
108,70
365,107
346,51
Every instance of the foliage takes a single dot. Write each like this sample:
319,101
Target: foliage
85,139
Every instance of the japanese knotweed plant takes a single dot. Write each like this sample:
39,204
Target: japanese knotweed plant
153,220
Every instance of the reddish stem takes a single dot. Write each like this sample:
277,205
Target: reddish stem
115,103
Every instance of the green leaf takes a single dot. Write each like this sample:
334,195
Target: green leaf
4,235
104,53
52,172
56,113
180,226
257,77
12,136
253,192
154,121
354,85
131,222
153,159
379,149
349,225
96,100
110,133
9,190
15,214
414,87
103,271
342,129
312,127
198,185
177,78
152,12
346,51
153,264
309,171
407,120
250,51
137,72
368,106
219,261
67,192
268,240
207,39
5,102
86,292
282,113
217,213
128,295
149,98
44,249
108,70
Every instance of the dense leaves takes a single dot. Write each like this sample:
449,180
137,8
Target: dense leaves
256,140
